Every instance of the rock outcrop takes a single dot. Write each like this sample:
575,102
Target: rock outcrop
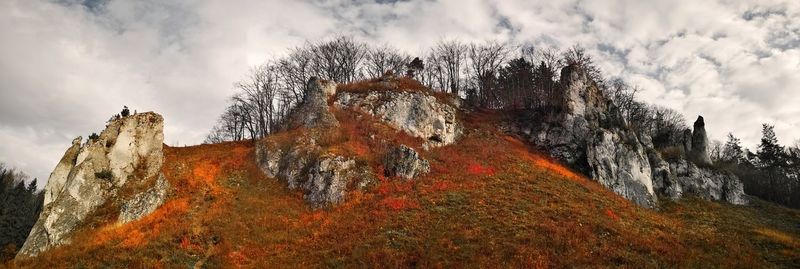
691,175
699,150
418,114
324,179
59,175
404,162
590,133
314,112
128,150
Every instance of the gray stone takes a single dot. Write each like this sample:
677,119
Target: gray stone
708,184
313,112
60,174
325,180
404,162
699,151
142,204
130,148
590,133
418,114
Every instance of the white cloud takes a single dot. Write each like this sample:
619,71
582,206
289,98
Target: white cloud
66,67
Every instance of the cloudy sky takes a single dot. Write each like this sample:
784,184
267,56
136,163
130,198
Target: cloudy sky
67,65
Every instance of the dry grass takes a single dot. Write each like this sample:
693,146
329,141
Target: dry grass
490,201
401,84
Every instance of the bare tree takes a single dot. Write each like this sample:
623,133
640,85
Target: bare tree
340,59
385,58
484,63
447,63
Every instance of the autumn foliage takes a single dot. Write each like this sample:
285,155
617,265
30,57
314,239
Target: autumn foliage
489,201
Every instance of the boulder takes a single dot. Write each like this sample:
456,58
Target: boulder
128,150
404,162
324,179
418,114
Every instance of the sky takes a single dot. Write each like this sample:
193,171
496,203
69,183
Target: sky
67,65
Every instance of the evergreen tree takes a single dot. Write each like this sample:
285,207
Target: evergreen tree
732,151
770,153
20,205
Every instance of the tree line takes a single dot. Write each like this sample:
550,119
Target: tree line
490,74
20,204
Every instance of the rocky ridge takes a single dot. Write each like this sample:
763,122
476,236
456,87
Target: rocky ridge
127,153
325,178
589,133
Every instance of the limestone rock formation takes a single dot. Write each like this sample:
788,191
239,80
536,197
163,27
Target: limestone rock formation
590,133
128,150
314,112
404,162
708,184
59,175
324,179
417,114
142,204
699,151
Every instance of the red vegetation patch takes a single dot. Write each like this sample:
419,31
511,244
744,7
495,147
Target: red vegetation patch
477,169
612,215
399,203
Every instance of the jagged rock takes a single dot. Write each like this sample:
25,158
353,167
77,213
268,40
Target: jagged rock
128,150
404,162
325,180
590,134
142,204
699,150
314,112
708,184
417,114
621,166
59,175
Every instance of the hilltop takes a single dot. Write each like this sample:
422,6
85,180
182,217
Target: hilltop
386,173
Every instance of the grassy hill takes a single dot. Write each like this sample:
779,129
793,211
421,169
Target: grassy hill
489,201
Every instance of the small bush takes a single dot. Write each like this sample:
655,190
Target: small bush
94,137
125,111
104,174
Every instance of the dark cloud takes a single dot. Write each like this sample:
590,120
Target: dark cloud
66,66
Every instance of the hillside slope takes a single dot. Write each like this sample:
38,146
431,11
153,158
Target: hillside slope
489,201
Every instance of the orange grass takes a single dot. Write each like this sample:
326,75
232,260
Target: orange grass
489,201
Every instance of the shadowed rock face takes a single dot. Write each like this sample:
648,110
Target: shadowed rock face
404,162
314,112
129,149
699,150
590,133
